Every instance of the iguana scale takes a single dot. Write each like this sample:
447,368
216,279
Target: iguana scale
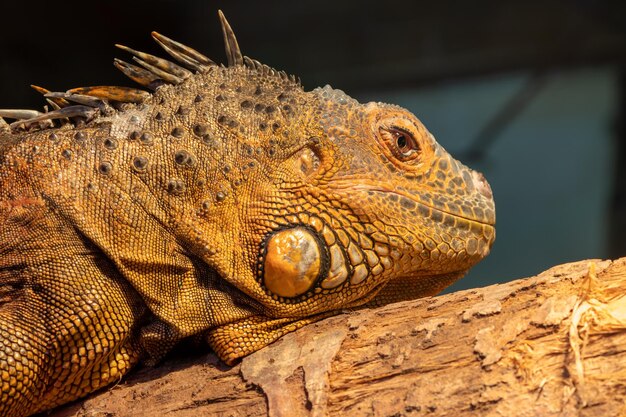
226,202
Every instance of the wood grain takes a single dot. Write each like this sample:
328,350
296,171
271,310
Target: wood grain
549,345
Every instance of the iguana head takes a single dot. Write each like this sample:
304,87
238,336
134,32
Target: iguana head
360,195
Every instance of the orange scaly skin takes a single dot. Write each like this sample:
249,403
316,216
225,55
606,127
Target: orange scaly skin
228,203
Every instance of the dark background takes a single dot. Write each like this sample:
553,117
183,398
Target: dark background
498,82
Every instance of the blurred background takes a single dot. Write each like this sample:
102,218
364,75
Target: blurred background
531,93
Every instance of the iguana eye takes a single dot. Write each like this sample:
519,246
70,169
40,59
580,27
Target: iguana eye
401,143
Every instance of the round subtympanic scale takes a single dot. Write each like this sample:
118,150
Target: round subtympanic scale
292,262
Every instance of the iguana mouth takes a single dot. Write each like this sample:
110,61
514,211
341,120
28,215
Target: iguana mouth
485,221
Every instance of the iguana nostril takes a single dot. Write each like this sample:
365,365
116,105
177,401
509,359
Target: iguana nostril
481,184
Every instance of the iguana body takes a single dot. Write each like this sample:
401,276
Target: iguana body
228,203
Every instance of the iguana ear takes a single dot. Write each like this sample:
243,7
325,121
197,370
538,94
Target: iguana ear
236,340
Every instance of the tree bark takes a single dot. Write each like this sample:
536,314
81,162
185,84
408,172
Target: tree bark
549,345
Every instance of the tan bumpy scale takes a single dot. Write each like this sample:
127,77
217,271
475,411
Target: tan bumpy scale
226,202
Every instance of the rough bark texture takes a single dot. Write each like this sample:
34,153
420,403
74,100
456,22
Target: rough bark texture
554,344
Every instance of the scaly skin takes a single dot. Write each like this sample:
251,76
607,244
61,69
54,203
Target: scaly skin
232,204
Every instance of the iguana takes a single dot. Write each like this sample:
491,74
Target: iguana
227,202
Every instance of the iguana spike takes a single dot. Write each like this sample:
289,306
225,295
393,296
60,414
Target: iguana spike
137,74
113,93
77,98
252,63
160,63
164,75
190,52
43,91
66,112
19,114
53,104
233,53
183,54
56,107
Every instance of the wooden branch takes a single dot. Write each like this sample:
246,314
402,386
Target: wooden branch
550,345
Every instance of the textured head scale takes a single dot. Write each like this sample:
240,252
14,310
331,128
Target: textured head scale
272,205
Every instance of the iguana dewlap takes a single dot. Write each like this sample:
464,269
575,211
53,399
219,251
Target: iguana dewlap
227,202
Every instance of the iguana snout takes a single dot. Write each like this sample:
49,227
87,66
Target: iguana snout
429,218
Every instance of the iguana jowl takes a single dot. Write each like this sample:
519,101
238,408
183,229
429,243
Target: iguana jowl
227,202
